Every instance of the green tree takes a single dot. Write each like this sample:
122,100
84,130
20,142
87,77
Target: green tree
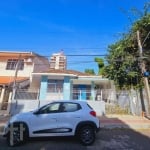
101,65
123,56
90,71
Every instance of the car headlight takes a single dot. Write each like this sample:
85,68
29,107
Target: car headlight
7,125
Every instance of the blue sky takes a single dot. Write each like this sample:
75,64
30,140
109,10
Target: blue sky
76,26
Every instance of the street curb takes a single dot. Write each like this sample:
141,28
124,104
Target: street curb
125,126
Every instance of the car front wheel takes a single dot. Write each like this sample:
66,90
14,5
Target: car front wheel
17,134
87,135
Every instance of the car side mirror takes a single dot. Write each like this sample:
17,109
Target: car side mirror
37,112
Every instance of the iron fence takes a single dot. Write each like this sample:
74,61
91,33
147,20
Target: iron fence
26,94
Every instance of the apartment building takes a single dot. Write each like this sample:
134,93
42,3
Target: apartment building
58,61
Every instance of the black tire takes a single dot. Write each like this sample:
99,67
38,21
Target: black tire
87,135
17,135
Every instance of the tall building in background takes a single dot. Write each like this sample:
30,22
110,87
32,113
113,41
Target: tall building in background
58,61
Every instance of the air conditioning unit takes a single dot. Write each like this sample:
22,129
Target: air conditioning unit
28,60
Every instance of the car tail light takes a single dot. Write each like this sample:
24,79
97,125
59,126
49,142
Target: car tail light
93,113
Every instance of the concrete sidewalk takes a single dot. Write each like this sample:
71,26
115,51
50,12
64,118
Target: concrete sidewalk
124,121
108,122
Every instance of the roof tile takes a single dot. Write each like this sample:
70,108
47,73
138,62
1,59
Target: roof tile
67,72
5,80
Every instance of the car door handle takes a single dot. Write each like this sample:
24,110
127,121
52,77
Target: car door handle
77,117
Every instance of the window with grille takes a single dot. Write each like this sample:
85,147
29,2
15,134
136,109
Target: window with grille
55,86
12,63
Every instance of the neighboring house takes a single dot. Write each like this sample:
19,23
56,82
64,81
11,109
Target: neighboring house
71,84
16,70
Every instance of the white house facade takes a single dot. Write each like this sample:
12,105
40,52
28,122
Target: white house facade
75,85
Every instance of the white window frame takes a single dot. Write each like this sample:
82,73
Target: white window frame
12,63
55,86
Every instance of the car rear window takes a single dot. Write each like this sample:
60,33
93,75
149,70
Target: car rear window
71,107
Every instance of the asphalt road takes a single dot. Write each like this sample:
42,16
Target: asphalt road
110,139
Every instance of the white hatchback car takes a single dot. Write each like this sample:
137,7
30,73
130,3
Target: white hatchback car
58,118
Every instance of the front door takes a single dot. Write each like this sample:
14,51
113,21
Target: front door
82,93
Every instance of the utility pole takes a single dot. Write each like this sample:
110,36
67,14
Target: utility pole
146,84
15,76
14,86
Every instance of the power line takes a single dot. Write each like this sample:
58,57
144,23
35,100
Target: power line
86,55
83,48
80,62
72,55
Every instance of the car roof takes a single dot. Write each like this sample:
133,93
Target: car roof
73,101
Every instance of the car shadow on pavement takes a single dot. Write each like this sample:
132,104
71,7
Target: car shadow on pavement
115,134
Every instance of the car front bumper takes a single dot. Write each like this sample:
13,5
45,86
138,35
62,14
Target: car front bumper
6,130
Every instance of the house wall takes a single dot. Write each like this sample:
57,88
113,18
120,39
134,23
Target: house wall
35,82
40,64
37,64
93,91
26,72
18,106
25,105
43,88
54,96
67,88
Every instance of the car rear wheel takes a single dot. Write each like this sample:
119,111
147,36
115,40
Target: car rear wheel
17,135
87,135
